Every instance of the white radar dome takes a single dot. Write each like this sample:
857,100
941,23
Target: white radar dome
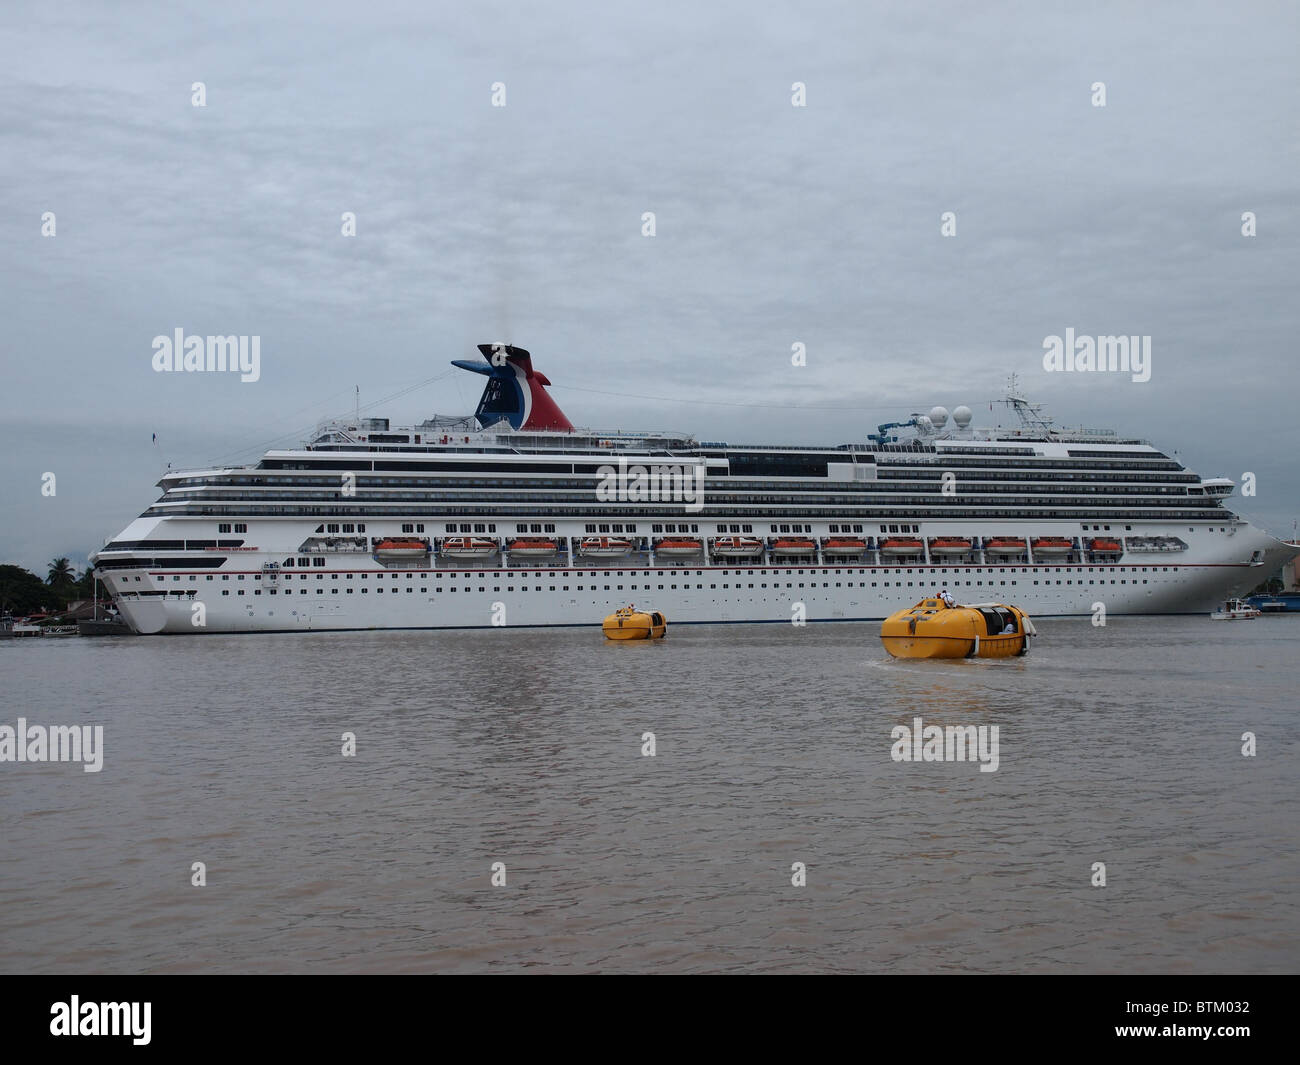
961,416
939,415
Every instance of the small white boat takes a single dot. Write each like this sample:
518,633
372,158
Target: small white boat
1235,610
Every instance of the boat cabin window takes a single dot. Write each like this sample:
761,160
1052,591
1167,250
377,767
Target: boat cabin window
996,620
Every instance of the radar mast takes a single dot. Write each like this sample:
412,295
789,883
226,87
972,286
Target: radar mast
1031,415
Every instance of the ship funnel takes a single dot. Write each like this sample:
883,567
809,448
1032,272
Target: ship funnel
514,390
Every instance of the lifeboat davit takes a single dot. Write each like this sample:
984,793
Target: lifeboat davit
950,545
676,547
605,547
844,545
1052,545
737,546
533,548
901,545
469,547
628,623
1004,545
401,547
933,630
794,545
1103,546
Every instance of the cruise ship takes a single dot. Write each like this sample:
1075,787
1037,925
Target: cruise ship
514,517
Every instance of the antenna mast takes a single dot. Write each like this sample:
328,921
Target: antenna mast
1031,415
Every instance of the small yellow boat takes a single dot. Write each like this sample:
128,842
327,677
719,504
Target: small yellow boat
932,629
628,623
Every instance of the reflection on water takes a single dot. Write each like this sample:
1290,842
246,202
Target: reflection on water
1118,744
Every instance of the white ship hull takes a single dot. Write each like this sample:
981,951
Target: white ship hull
345,593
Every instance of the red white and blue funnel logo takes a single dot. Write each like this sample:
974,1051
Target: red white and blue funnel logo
514,390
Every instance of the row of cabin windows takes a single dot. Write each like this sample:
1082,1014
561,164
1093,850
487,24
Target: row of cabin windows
660,587
480,527
1129,528
887,584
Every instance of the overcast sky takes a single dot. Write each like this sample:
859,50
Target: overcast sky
775,224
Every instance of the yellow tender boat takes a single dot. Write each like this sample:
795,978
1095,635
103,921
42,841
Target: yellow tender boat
932,630
628,623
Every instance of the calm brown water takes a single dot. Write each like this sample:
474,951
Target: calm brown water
1120,745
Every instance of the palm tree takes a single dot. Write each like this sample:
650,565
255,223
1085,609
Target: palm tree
61,573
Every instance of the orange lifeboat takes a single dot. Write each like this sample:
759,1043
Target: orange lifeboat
628,623
950,545
1053,546
843,546
794,545
533,547
401,547
1004,545
1104,546
676,547
901,545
